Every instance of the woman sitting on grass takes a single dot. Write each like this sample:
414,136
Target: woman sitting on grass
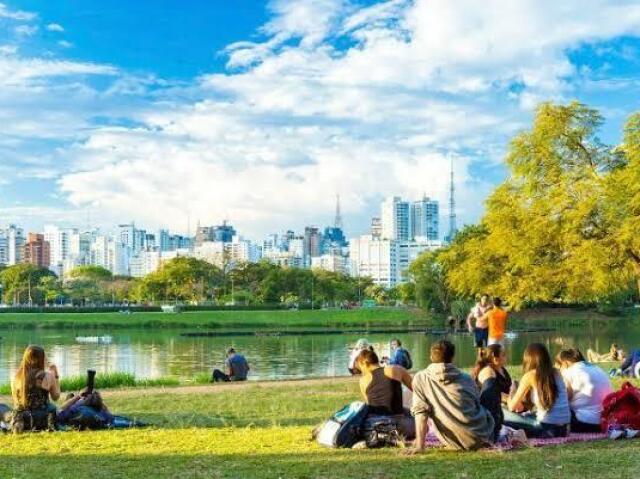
32,389
540,406
494,382
381,388
587,386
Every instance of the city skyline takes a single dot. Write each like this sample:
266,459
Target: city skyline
261,113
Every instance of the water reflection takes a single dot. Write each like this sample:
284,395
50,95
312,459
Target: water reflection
152,354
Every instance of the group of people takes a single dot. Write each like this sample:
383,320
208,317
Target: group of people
34,389
490,322
469,411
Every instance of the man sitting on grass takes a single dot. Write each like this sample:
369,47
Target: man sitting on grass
449,397
236,367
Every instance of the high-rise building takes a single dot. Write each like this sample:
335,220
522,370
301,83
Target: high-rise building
15,243
376,258
312,243
425,219
396,219
223,233
37,251
376,227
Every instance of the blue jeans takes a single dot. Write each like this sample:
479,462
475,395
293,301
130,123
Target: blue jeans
532,427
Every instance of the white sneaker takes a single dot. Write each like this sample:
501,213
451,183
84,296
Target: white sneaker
631,433
617,434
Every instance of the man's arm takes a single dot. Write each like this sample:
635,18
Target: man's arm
422,428
470,316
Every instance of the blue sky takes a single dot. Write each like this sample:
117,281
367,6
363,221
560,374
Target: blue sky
261,112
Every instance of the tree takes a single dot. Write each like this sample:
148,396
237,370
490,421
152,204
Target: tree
21,283
181,279
429,276
546,234
96,273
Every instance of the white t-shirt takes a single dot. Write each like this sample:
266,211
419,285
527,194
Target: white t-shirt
590,386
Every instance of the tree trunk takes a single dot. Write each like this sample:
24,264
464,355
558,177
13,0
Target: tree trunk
635,258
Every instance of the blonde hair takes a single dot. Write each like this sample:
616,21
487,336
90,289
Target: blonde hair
32,361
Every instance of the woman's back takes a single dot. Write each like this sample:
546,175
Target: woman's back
590,385
384,395
559,412
37,393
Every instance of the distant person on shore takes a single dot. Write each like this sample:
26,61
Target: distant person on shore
381,388
630,366
236,368
34,386
480,329
540,406
496,318
615,354
449,397
361,345
494,382
587,386
399,355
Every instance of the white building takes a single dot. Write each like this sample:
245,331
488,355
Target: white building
408,252
395,219
334,262
286,259
111,254
375,258
225,255
12,242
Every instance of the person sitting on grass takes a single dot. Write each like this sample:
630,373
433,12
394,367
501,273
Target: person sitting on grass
494,382
449,397
587,386
615,354
540,406
399,355
361,345
381,388
32,389
236,368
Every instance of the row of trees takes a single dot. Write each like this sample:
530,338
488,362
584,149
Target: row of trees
187,280
564,227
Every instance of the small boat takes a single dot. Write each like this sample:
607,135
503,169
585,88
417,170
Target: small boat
94,339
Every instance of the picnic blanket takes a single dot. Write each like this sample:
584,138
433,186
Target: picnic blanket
432,441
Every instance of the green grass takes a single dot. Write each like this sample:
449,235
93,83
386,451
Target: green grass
263,431
219,319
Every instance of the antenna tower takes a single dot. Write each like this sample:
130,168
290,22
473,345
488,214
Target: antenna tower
452,207
338,220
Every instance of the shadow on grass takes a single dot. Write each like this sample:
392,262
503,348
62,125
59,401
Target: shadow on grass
188,420
345,464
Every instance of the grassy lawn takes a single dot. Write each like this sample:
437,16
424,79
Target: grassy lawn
220,319
263,431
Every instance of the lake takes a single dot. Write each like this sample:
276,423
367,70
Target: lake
157,353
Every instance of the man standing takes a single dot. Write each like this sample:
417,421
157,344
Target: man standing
449,397
481,329
399,355
497,319
236,368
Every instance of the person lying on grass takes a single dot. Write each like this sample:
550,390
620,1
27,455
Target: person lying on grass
87,410
381,388
449,397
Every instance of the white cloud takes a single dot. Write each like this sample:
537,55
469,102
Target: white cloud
297,119
55,27
26,30
5,12
65,44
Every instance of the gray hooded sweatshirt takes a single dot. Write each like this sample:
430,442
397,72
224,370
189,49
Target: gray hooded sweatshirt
450,398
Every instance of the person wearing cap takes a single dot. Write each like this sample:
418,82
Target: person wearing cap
236,368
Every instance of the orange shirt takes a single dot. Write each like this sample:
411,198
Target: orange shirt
497,323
